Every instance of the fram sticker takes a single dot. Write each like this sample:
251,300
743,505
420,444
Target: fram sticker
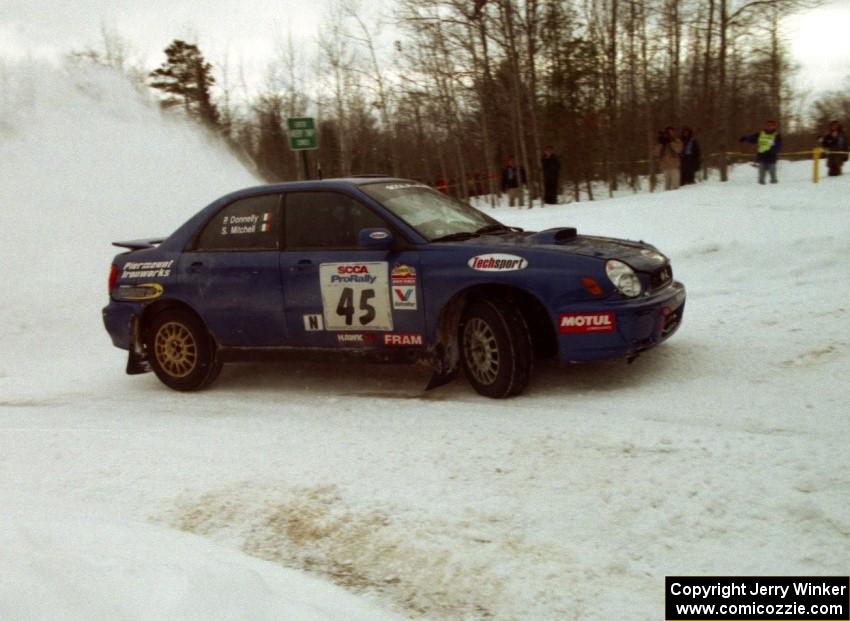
313,323
402,339
583,323
497,263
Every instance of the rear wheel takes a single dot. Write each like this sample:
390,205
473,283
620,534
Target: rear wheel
496,350
181,351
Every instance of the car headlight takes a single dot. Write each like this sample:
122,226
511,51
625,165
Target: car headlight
623,278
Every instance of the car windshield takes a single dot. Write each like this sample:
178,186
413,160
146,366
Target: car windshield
432,214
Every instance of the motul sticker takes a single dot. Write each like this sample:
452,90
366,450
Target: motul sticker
497,263
583,323
402,339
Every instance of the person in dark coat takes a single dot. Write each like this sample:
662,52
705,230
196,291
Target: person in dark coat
551,165
768,142
834,140
513,178
691,156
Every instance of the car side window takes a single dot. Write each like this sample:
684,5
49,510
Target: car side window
247,224
325,220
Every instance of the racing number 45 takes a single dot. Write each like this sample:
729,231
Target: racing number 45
345,307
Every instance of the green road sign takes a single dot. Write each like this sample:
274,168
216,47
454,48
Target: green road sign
302,133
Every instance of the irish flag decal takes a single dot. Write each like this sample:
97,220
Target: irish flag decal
266,224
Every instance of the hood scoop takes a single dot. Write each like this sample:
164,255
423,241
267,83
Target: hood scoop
561,235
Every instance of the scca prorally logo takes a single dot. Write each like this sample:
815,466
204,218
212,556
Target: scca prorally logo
497,263
352,272
579,323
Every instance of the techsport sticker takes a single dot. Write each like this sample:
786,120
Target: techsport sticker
313,323
356,296
497,263
147,269
583,323
402,340
403,279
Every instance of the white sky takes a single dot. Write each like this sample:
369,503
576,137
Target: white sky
247,30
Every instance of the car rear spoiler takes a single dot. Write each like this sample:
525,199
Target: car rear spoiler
139,244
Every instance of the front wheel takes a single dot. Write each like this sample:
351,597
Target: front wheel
181,351
496,351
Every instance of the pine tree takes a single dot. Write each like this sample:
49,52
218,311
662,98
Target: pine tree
186,78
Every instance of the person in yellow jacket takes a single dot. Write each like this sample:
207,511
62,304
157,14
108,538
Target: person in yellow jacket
768,143
669,154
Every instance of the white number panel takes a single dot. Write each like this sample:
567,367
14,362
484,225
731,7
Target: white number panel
356,296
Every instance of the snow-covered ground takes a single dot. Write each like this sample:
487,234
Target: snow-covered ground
724,451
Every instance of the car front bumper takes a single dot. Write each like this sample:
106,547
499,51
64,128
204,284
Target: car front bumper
623,329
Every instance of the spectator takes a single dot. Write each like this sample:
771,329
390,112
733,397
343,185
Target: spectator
513,178
768,142
668,151
834,140
442,185
691,156
551,165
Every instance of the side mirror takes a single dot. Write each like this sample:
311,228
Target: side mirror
375,239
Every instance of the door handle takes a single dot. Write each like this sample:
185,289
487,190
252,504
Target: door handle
302,265
196,267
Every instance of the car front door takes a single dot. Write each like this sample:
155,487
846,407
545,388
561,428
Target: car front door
338,294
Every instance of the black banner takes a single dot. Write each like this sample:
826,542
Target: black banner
757,598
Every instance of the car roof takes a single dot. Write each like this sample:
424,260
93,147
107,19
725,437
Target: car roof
321,184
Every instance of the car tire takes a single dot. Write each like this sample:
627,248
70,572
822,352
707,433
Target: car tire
180,350
496,351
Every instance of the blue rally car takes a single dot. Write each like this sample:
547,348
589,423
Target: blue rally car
385,267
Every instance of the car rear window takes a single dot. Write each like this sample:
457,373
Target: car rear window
247,224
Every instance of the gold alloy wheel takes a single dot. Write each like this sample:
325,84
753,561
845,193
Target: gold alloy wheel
175,349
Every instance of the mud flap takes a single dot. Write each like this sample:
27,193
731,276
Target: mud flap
441,379
137,363
137,360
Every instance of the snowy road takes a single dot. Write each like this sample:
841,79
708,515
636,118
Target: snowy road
722,452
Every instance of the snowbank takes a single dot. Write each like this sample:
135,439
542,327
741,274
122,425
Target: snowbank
86,160
81,568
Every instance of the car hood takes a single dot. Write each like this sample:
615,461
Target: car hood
638,254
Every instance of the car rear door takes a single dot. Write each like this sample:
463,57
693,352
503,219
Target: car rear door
232,273
338,294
